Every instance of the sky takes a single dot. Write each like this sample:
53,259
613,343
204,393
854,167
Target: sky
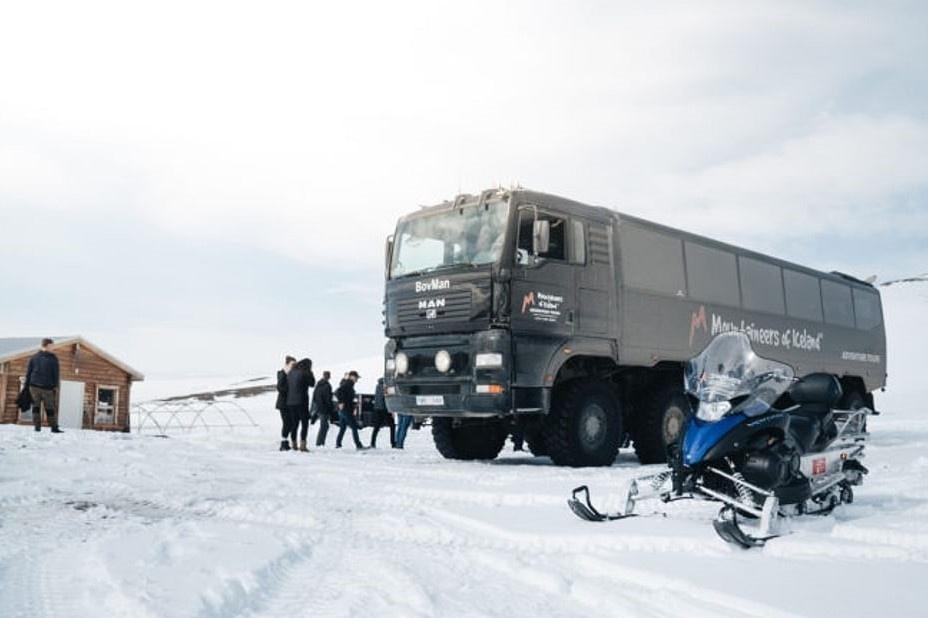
201,187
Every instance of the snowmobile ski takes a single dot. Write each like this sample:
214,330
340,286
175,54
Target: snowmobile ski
585,509
727,527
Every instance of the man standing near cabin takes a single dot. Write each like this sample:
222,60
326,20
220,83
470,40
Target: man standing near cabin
282,402
42,379
346,396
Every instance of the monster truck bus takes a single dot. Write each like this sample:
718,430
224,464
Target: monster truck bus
520,311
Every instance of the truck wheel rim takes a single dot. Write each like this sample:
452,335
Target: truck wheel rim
593,425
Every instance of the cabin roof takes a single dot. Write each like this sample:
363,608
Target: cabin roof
12,348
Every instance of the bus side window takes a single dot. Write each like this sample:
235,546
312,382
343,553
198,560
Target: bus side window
867,308
803,296
711,274
836,299
651,261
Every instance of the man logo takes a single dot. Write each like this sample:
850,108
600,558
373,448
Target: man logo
528,301
698,320
432,303
431,307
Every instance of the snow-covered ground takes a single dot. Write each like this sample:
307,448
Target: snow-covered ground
220,524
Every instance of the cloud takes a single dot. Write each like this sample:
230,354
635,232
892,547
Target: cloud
303,131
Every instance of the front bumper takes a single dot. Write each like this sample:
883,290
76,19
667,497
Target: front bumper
456,405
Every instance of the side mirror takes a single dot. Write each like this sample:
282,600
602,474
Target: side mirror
541,236
388,254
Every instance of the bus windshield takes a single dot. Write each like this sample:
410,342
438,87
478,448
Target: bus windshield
468,236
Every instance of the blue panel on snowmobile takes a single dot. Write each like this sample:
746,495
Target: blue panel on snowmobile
701,436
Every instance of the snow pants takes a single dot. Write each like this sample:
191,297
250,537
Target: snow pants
384,418
43,398
346,420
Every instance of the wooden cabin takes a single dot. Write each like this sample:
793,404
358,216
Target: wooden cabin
95,387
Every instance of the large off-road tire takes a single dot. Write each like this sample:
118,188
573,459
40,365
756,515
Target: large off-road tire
659,418
852,400
584,426
471,439
536,444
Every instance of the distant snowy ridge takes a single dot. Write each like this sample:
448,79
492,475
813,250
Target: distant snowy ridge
917,278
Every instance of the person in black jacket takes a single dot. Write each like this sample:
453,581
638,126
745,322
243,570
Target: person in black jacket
322,406
382,416
285,421
299,380
42,380
346,395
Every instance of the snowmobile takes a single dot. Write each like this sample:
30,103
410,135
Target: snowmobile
766,445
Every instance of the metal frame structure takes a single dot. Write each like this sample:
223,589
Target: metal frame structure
188,415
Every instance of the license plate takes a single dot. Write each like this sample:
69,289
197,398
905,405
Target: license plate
430,400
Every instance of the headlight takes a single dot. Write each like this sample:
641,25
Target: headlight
443,361
401,362
712,411
486,360
390,365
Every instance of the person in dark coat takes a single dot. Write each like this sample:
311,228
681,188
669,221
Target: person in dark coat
282,385
43,379
346,396
323,407
299,381
382,416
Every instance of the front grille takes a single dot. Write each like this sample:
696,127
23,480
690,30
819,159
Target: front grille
454,305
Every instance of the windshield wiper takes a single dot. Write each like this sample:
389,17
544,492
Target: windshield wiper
440,267
433,269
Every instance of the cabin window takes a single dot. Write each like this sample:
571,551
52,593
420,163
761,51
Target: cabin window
107,401
711,274
761,286
803,296
577,244
557,249
652,261
867,309
836,299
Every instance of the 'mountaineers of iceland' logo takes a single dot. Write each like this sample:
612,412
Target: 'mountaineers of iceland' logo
789,338
432,285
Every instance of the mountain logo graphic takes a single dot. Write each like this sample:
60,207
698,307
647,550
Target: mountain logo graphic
698,320
528,301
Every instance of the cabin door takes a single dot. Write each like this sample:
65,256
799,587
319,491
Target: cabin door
71,405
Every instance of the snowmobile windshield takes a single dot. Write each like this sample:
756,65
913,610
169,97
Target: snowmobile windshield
465,236
729,377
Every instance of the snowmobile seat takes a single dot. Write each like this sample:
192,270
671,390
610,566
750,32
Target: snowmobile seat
816,394
811,420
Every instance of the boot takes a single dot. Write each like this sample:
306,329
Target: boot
303,448
293,445
56,430
284,445
38,428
